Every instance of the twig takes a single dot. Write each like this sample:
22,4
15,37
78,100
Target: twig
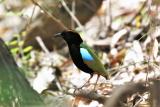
118,35
42,45
155,98
138,12
138,102
50,15
109,14
89,95
114,70
72,15
30,20
121,67
122,92
73,11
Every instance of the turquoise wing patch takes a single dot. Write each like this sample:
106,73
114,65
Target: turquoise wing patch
86,56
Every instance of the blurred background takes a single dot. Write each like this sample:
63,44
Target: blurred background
125,34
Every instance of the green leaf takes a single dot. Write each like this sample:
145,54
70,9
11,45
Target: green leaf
14,50
21,43
27,49
15,90
13,43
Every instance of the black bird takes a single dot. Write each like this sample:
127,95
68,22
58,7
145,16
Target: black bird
82,55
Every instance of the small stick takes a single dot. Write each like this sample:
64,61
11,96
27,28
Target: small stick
42,45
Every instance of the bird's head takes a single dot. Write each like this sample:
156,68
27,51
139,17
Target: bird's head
70,37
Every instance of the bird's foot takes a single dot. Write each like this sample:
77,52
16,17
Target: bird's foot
77,89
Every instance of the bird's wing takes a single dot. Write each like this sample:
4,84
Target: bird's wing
92,60
86,55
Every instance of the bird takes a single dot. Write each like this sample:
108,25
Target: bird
45,26
83,56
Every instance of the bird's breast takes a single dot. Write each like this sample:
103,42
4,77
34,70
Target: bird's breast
78,60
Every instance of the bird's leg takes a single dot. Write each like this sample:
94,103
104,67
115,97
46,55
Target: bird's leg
87,81
84,84
96,81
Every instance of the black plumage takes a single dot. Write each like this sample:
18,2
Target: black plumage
82,55
74,49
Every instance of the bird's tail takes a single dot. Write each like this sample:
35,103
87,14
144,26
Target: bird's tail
107,76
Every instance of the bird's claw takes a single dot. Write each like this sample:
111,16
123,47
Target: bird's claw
80,88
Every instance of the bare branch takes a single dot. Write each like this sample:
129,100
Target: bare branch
42,45
89,95
50,15
123,92
72,15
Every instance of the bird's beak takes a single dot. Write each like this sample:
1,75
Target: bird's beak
57,35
